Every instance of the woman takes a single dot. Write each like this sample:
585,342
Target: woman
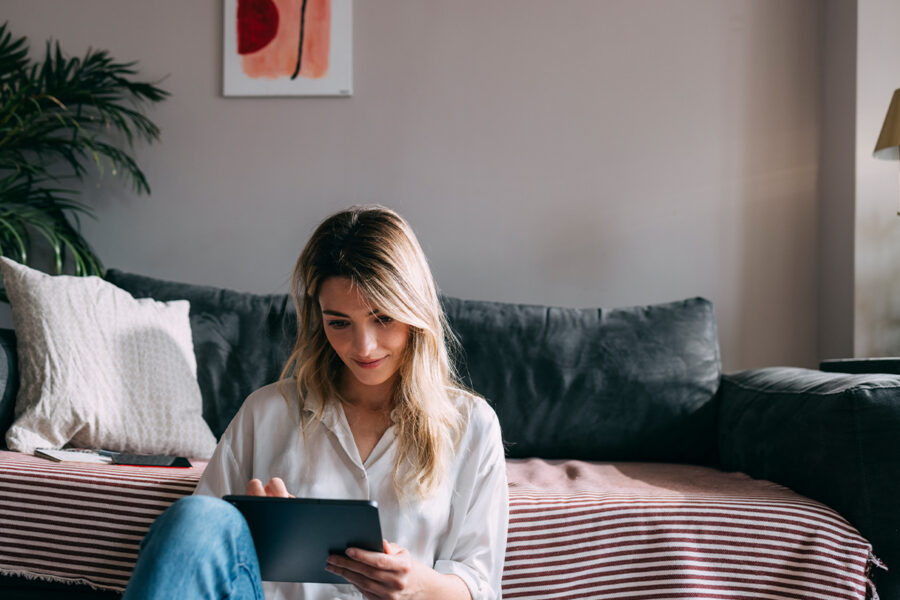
367,408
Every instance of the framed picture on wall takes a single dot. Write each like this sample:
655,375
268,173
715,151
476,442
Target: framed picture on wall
288,48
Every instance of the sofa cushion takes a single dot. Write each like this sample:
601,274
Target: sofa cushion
595,384
101,369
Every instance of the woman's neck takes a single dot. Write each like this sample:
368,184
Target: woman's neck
367,397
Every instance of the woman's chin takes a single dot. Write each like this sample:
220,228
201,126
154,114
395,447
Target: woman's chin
372,377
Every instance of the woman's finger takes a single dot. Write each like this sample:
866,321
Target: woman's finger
255,488
371,588
276,488
387,572
392,548
376,560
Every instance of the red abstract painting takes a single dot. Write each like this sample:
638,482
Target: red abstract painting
284,38
288,48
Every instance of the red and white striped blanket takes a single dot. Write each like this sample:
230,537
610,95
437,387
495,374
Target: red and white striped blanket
650,531
78,522
577,530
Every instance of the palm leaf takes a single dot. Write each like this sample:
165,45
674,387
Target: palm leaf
59,116
13,55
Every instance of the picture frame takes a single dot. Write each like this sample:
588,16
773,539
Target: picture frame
288,48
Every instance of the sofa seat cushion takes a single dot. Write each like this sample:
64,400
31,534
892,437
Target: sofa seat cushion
645,530
577,530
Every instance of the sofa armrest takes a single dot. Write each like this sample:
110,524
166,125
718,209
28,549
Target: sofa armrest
9,381
829,436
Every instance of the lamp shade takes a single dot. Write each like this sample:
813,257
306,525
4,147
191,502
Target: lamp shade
888,145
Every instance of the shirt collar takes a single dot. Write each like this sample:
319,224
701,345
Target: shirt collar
332,417
332,414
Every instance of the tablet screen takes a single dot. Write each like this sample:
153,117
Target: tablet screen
295,536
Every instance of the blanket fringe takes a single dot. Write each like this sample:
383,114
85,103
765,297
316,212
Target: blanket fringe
874,561
32,576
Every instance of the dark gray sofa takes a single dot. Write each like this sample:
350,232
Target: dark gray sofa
635,384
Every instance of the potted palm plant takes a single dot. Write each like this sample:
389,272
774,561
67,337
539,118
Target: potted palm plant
58,116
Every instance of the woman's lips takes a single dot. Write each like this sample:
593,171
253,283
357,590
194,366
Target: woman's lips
370,364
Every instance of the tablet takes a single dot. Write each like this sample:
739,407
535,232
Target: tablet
295,536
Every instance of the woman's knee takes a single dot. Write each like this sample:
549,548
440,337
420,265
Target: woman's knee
201,544
194,508
199,518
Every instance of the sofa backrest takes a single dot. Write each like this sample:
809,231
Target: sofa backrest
592,384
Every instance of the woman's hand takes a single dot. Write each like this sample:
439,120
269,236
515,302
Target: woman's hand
394,575
275,488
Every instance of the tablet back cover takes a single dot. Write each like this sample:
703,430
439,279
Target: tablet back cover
295,536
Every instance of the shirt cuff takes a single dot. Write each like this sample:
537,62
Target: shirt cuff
469,576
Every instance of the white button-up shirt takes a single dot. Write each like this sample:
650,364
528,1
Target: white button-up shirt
460,529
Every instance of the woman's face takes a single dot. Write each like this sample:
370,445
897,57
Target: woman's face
370,344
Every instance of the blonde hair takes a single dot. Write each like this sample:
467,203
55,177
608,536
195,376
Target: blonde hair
376,249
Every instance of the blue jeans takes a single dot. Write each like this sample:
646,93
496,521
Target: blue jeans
200,547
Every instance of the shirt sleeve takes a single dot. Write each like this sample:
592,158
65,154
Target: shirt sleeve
224,473
477,556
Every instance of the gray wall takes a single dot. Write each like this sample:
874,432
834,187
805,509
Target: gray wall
837,179
581,153
877,257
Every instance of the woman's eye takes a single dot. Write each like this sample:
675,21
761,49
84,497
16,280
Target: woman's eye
384,320
337,324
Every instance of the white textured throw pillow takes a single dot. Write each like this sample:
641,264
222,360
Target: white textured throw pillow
100,369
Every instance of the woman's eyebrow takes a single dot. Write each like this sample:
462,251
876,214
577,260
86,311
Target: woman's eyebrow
340,314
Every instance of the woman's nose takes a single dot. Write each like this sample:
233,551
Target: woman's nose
364,341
